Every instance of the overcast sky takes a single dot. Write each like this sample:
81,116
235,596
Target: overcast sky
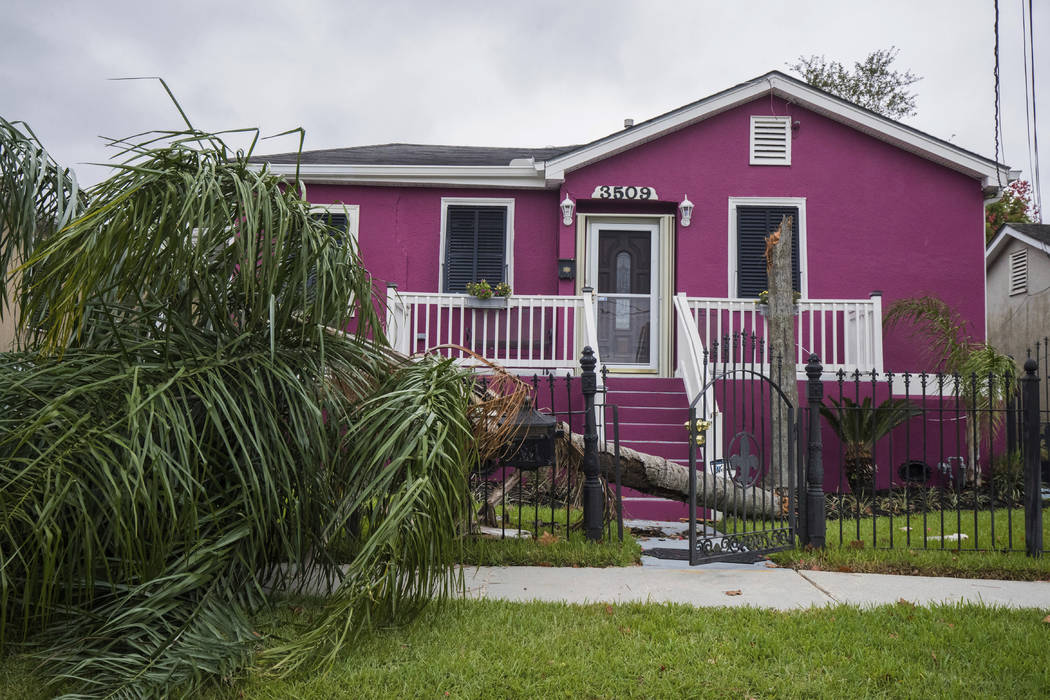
524,73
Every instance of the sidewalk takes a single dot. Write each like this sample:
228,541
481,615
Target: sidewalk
780,589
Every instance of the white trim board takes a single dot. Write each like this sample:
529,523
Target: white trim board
803,256
507,203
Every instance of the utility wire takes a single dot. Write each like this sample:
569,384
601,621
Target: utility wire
998,176
1035,121
1027,84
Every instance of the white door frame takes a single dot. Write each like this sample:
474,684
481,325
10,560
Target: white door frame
656,283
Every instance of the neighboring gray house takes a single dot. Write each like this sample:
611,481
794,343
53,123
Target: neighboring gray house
1017,291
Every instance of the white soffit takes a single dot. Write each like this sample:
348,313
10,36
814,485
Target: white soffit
515,176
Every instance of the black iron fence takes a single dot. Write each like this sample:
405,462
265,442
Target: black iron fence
905,460
931,461
528,502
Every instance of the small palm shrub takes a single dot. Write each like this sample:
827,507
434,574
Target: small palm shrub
859,427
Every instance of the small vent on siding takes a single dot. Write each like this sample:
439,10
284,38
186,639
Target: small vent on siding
770,140
1019,272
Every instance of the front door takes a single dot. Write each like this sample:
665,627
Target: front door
623,268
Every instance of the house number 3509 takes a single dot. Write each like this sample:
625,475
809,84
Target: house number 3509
621,192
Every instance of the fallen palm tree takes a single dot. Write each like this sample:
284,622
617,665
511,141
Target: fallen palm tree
650,474
656,476
178,430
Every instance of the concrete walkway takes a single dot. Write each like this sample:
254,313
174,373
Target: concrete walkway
775,588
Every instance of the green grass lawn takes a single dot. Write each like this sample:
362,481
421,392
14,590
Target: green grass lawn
488,649
494,649
491,649
881,545
997,529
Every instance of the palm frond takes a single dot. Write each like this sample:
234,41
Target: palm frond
37,198
940,325
182,434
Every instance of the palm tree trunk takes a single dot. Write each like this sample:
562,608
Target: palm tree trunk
660,477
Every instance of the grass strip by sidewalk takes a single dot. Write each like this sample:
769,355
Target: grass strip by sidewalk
1011,566
882,545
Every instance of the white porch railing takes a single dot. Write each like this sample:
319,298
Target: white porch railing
547,333
694,371
534,333
845,333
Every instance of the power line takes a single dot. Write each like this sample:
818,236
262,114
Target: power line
1027,105
998,127
1035,121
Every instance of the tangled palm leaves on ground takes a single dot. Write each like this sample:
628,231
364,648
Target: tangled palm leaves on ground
181,430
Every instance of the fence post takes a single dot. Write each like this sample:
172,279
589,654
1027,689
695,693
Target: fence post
592,487
1033,511
816,524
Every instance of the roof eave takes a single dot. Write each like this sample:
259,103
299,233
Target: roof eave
1007,231
511,176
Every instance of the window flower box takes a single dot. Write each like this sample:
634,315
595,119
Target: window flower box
764,309
473,302
484,296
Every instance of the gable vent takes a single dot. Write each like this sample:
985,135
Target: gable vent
1019,272
770,140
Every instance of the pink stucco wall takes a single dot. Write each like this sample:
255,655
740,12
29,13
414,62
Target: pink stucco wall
400,231
878,218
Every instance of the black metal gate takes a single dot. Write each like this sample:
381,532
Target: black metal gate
743,467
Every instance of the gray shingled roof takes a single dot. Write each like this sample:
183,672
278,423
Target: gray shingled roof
1040,232
420,154
415,154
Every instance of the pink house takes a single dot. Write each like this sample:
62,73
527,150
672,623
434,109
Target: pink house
647,244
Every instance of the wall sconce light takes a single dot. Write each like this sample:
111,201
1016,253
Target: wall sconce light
567,205
686,207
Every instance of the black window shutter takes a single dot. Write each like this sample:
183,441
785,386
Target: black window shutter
475,246
338,224
753,225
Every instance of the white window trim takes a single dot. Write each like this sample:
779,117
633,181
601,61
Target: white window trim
507,203
803,257
352,211
786,121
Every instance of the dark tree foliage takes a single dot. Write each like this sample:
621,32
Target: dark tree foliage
872,83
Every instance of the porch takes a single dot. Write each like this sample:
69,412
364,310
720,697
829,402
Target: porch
530,334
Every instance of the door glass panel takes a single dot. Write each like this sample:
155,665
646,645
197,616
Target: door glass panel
625,303
623,330
623,272
637,261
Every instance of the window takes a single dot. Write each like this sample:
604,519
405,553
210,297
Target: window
341,219
476,242
1019,272
770,141
751,221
